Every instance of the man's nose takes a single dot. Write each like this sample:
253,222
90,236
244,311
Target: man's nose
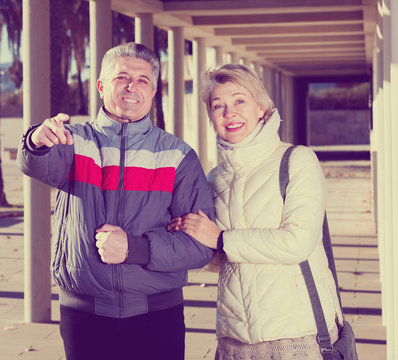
131,85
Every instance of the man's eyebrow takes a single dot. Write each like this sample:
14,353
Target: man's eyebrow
145,77
141,76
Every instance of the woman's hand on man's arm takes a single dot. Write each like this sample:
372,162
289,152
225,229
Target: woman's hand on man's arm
199,226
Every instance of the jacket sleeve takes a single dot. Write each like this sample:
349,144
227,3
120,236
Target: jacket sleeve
48,165
300,231
161,250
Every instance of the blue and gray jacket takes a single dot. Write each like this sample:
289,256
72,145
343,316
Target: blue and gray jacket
132,175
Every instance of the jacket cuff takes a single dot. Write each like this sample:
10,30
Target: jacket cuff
27,139
220,243
138,252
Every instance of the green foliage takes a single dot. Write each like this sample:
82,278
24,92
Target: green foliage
341,97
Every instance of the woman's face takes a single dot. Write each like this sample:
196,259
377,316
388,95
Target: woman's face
233,112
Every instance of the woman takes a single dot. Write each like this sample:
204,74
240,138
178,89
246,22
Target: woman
264,311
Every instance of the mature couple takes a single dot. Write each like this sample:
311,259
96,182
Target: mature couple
134,212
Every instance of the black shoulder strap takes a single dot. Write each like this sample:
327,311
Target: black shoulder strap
284,171
323,333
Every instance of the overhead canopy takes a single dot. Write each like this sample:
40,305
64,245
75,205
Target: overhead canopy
299,37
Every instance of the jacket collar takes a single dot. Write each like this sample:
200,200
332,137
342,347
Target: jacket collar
255,148
106,125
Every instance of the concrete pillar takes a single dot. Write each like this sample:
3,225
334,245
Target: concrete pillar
199,65
219,55
36,108
273,83
100,42
233,57
378,140
243,61
276,86
144,29
267,80
176,79
388,185
258,69
394,165
144,34
288,109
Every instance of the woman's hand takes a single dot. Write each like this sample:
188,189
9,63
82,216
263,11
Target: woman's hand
174,225
200,227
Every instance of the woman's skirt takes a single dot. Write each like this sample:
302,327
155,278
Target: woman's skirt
303,348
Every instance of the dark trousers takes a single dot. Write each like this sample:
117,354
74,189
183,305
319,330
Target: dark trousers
152,336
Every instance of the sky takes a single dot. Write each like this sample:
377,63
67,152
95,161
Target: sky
5,53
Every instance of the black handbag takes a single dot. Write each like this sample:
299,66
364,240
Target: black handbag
344,348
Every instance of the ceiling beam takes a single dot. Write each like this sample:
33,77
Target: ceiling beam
282,30
302,48
315,39
320,17
266,6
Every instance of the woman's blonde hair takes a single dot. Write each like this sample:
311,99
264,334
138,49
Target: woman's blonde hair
240,75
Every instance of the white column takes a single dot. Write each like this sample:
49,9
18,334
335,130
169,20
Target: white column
273,82
288,108
394,165
276,86
267,80
144,35
199,65
233,57
100,42
389,261
219,55
243,61
36,108
176,79
258,69
144,30
378,129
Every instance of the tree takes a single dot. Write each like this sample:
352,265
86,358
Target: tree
69,26
160,45
11,19
78,19
60,56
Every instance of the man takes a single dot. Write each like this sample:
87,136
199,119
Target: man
120,180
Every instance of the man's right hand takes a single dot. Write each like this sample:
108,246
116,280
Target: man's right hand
52,132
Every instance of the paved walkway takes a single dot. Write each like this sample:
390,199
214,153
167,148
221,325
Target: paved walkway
355,248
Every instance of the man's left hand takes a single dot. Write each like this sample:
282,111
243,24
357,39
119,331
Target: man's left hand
112,244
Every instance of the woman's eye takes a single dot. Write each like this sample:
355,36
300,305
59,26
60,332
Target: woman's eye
240,101
218,106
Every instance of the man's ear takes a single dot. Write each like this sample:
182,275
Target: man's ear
154,92
100,87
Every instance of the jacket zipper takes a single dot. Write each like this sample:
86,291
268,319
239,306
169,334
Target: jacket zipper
119,219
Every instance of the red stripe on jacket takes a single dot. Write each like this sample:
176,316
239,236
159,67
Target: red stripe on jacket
135,178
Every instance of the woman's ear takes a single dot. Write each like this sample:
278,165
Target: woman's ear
261,112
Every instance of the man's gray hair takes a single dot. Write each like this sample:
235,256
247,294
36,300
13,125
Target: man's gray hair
134,50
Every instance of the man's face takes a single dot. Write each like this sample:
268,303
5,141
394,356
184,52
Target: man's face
127,90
